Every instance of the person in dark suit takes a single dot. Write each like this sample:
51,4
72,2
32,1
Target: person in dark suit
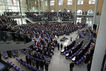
26,59
89,66
71,66
0,56
42,65
61,46
37,64
58,45
46,65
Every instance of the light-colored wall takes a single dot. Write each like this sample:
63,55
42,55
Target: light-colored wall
23,5
100,4
100,48
85,7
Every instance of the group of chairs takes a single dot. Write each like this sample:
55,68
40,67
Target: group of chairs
12,36
27,65
40,54
80,50
14,66
9,54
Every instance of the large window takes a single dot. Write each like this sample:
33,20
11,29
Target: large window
80,2
52,10
68,10
79,12
78,20
90,12
92,1
89,21
52,2
46,3
9,5
69,2
59,10
60,2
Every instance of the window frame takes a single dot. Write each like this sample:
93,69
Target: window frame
80,2
69,2
92,1
52,2
60,2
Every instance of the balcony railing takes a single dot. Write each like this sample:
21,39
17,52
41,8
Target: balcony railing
7,37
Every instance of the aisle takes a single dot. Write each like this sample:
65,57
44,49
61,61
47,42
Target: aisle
58,62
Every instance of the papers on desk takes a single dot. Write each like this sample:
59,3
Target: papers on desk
73,59
67,54
62,50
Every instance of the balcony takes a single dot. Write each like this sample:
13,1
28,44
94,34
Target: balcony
14,41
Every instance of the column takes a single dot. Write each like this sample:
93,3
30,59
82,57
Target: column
43,2
57,9
20,11
100,48
39,6
75,15
27,3
95,11
48,1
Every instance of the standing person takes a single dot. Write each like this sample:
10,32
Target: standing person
46,65
71,66
70,38
61,46
42,65
26,59
37,64
58,45
0,56
89,66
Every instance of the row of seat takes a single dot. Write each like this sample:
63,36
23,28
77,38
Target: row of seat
27,65
81,52
14,66
51,28
36,59
11,13
69,47
7,54
11,36
40,54
80,56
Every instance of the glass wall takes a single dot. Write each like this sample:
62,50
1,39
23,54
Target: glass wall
12,6
9,6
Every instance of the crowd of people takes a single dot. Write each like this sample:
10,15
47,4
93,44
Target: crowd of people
42,33
39,54
81,50
49,16
50,28
6,23
42,50
34,16
7,30
11,13
66,16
